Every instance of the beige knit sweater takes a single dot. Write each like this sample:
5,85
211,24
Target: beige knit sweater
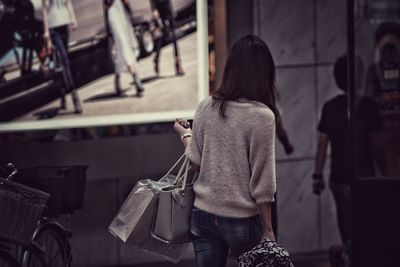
236,155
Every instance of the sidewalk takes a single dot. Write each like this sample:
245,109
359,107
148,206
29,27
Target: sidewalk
164,93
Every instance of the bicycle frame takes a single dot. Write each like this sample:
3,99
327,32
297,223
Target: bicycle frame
47,222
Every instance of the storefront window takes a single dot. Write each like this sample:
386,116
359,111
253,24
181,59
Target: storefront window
375,110
377,79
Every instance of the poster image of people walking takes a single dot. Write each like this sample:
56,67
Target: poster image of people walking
68,63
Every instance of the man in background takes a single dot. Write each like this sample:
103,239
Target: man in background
334,129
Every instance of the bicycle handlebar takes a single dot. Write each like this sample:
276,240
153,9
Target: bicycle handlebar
14,171
12,174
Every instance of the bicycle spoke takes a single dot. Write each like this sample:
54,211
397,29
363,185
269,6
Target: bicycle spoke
58,252
49,246
58,261
54,245
56,256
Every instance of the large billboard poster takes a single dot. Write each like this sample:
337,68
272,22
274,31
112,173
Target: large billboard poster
101,62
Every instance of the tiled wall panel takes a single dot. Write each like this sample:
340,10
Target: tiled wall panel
291,28
297,102
286,26
331,29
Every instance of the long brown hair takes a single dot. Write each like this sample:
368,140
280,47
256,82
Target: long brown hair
249,73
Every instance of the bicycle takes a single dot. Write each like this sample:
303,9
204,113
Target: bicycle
48,245
21,209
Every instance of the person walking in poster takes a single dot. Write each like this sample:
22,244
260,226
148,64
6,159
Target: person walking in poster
58,15
125,42
164,17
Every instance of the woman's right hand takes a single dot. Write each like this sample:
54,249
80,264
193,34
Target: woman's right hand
182,127
269,233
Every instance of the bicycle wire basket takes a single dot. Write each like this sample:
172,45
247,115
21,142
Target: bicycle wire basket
21,209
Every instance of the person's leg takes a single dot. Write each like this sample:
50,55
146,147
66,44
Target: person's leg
117,82
209,249
136,80
241,234
171,23
58,45
210,253
64,33
76,101
158,47
74,93
342,197
118,62
138,84
61,36
178,63
60,39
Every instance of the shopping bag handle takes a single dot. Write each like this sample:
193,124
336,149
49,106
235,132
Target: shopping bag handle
186,174
182,171
174,166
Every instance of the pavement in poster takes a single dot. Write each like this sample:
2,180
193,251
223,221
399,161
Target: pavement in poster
166,92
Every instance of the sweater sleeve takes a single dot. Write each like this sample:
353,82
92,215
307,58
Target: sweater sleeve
262,160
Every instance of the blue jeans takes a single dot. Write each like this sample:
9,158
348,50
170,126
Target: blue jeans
342,195
60,36
213,237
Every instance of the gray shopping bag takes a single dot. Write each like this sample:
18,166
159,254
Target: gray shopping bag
134,222
172,224
137,210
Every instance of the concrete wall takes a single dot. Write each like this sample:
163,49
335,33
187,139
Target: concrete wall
305,38
115,164
239,19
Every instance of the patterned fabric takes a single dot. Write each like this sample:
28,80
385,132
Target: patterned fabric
266,254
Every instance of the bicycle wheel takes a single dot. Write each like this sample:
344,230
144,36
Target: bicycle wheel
7,260
56,247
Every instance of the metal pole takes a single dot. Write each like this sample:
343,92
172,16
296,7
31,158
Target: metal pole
351,109
316,105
